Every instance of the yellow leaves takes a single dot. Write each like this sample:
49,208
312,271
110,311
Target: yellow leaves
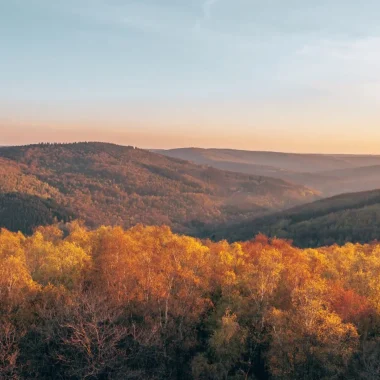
63,265
312,290
170,280
230,278
226,258
15,278
152,262
80,236
55,260
171,287
151,266
318,262
307,331
357,267
14,275
11,244
263,274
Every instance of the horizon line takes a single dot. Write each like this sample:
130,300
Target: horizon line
192,147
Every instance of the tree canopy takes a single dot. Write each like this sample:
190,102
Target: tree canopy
146,303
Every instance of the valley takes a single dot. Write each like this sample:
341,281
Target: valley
329,174
351,217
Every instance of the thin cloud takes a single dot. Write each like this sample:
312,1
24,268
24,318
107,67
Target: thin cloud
339,68
207,6
206,13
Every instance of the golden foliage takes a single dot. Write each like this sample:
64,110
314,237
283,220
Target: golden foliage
300,313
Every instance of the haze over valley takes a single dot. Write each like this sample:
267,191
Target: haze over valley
329,174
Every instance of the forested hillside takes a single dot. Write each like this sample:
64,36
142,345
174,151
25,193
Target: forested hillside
117,185
353,217
148,304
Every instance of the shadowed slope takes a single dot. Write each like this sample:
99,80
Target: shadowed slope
23,212
345,218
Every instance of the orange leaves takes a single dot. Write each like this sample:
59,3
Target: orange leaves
349,305
153,268
296,313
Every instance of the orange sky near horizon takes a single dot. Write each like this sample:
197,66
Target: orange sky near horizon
322,141
274,76
299,127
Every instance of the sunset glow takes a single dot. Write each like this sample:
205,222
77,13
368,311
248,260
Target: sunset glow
245,75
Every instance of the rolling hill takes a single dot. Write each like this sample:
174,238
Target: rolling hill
110,184
329,174
353,217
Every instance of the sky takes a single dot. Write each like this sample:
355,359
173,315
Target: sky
294,75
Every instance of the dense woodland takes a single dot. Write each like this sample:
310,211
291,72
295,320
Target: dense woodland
24,212
345,218
149,304
117,185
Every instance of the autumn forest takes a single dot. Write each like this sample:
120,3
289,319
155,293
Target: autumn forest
146,303
120,263
189,190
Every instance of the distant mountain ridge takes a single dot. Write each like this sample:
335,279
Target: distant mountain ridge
118,185
330,174
300,162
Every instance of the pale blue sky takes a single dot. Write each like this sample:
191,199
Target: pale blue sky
291,75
